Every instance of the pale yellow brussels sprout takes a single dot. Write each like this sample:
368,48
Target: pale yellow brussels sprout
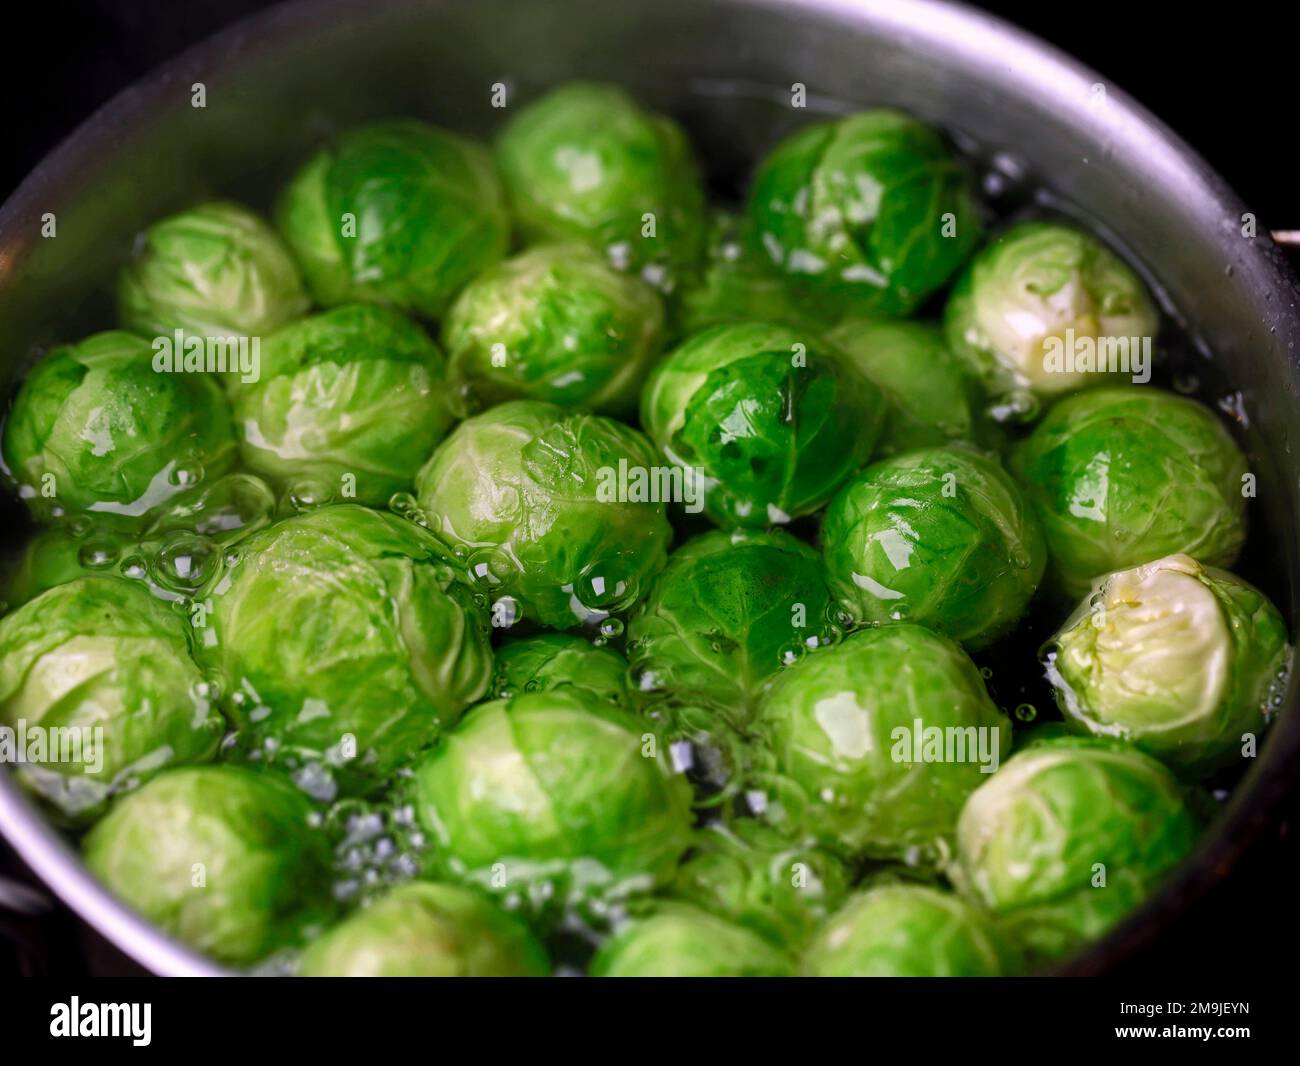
1046,309
1185,661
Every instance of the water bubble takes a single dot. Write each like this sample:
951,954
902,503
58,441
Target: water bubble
828,636
98,552
403,503
611,628
986,672
605,592
134,567
791,654
185,562
488,567
1026,712
1186,382
186,475
308,493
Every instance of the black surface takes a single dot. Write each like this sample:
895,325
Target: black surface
1223,83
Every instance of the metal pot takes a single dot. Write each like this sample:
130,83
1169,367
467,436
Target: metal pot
726,68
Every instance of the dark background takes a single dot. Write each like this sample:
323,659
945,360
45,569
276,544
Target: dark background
1224,83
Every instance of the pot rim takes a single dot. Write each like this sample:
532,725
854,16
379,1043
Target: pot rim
953,28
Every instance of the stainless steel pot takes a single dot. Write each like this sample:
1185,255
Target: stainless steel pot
726,68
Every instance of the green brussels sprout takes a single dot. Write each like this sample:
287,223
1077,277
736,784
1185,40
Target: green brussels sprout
901,930
753,876
1123,476
354,397
397,213
342,636
1046,309
427,930
587,163
762,420
559,660
215,270
556,323
931,400
94,429
676,940
941,537
878,740
552,797
99,674
222,858
726,614
872,210
1068,838
1186,662
739,284
557,512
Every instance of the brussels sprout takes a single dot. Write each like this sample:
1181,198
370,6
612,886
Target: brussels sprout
1046,309
353,398
546,508
98,673
95,429
765,422
556,323
427,930
1069,837
726,614
553,796
397,213
559,660
941,537
220,857
878,740
342,636
755,877
1123,476
587,163
871,209
216,270
739,284
1187,662
900,930
681,941
931,400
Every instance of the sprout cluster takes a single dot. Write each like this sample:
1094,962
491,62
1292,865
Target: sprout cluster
508,562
